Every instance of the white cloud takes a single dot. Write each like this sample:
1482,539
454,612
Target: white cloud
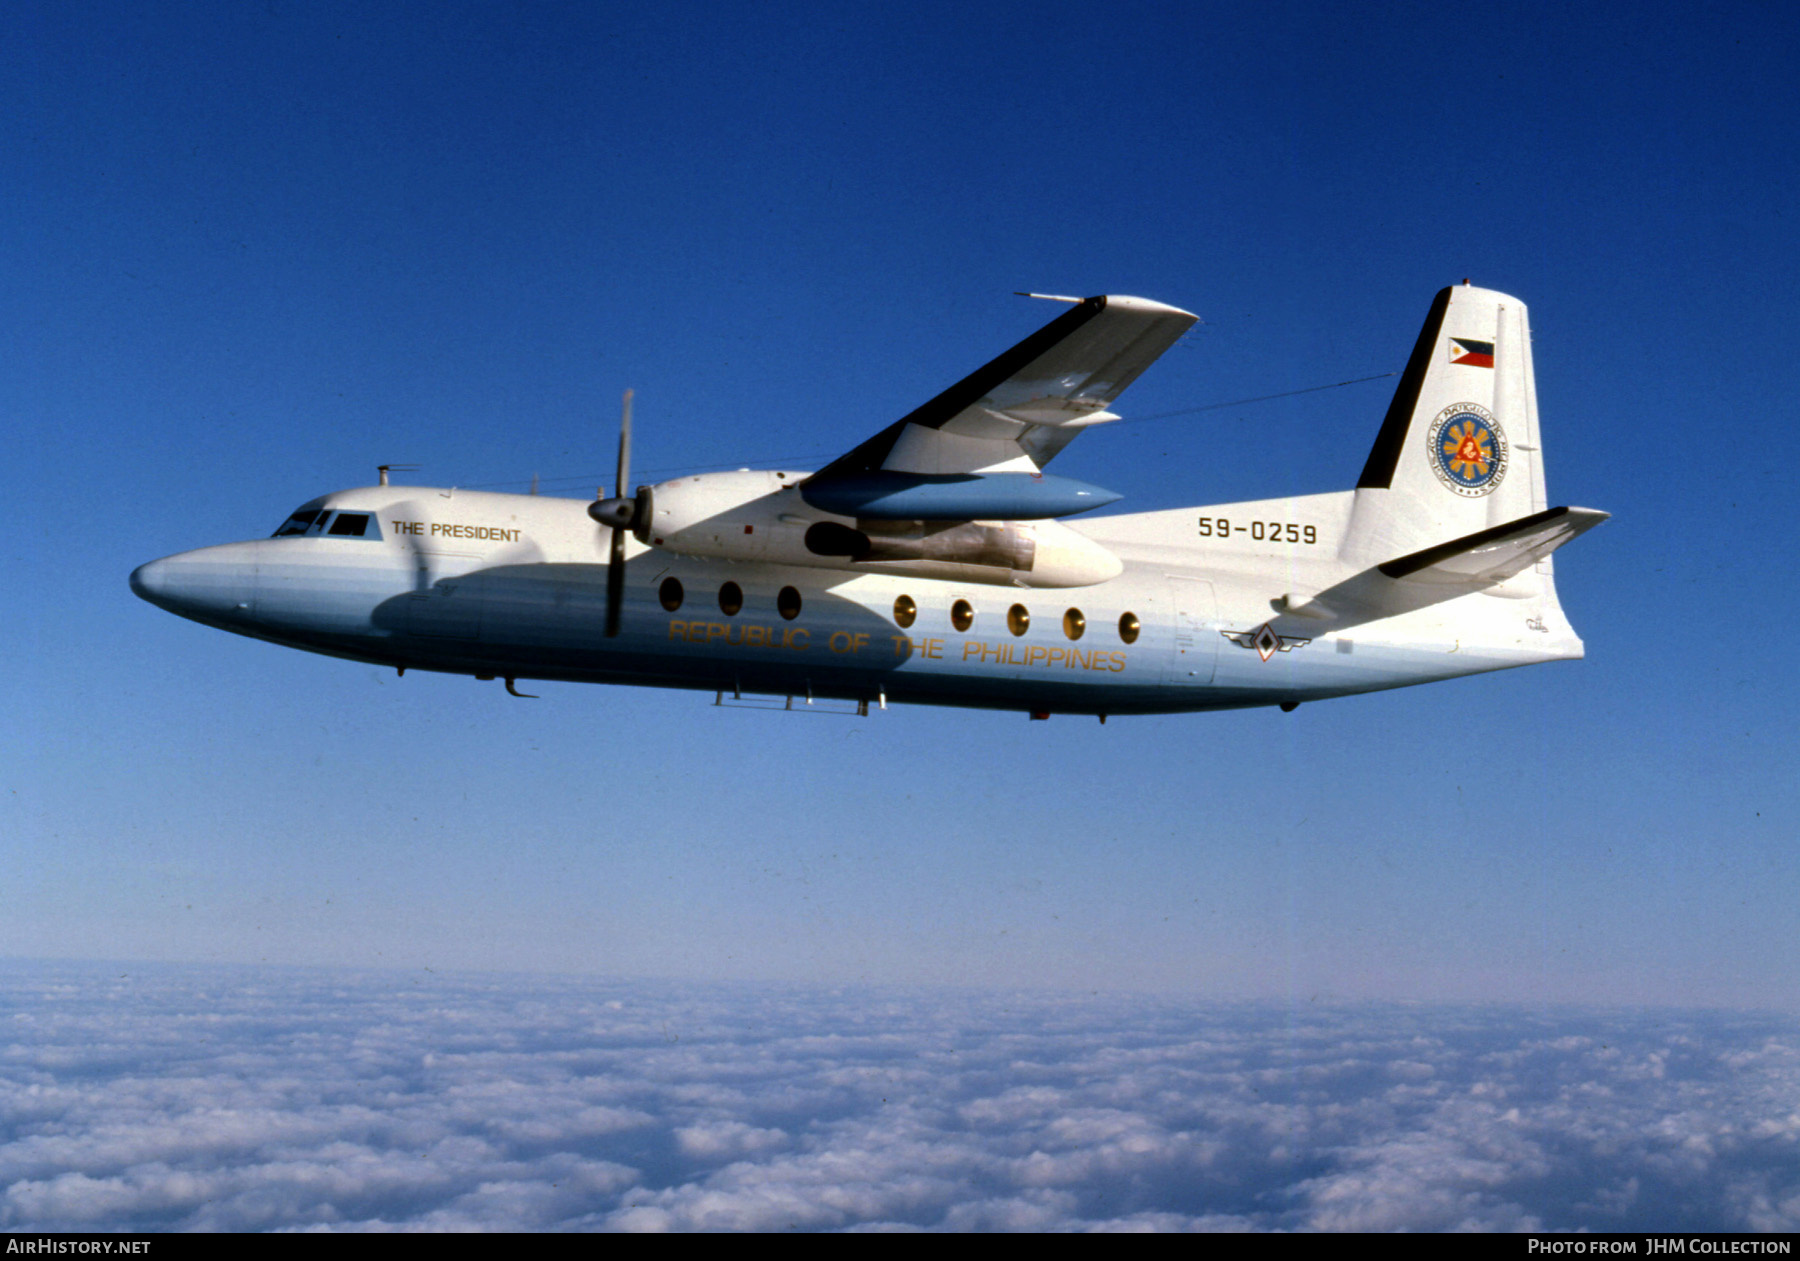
215,1099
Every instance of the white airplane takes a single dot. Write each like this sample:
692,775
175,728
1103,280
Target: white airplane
932,565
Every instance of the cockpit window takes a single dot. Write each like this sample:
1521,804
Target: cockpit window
316,521
299,523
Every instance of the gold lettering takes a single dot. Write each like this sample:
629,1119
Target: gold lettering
1118,661
717,630
970,648
677,630
445,529
798,638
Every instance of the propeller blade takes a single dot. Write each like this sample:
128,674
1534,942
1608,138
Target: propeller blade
617,513
622,486
615,584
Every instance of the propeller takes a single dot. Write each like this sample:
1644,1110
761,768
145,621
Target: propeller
619,514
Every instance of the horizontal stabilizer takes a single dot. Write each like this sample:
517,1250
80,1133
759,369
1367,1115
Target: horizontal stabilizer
1494,555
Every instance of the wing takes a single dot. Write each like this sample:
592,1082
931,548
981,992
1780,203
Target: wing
1016,413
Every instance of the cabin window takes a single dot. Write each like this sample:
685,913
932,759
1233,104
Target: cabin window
1129,626
962,615
1018,619
670,593
787,603
1074,624
353,524
731,599
299,523
905,612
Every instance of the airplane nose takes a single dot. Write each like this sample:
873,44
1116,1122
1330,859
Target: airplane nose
212,585
150,582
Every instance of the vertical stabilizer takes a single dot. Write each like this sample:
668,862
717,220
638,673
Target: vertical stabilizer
1458,451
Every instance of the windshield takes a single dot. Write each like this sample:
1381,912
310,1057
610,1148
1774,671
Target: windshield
299,523
316,521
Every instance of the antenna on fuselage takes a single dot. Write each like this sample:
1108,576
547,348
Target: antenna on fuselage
385,469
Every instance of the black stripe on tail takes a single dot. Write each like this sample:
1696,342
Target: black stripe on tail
1378,473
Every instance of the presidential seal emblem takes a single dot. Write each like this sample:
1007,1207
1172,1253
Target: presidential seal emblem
1468,451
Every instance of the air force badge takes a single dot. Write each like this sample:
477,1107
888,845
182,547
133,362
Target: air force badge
1266,642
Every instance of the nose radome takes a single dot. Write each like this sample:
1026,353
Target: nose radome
151,580
210,585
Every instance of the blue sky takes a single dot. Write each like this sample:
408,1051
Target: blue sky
253,252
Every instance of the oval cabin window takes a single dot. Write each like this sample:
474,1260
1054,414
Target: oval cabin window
1074,624
731,599
670,593
905,612
1129,626
787,603
1018,619
962,615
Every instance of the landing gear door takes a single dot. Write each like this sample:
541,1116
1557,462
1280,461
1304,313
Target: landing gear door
1196,637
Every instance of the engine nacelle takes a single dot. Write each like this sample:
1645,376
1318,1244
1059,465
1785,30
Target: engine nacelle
760,516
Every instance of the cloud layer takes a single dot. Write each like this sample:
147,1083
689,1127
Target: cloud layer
186,1098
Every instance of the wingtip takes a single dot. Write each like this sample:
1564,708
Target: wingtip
1115,301
1147,306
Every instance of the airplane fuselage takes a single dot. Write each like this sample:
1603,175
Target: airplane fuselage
1207,609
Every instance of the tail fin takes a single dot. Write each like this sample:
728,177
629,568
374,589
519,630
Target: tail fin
1458,452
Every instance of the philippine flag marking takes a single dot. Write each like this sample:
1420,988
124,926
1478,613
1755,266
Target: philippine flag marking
1475,354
